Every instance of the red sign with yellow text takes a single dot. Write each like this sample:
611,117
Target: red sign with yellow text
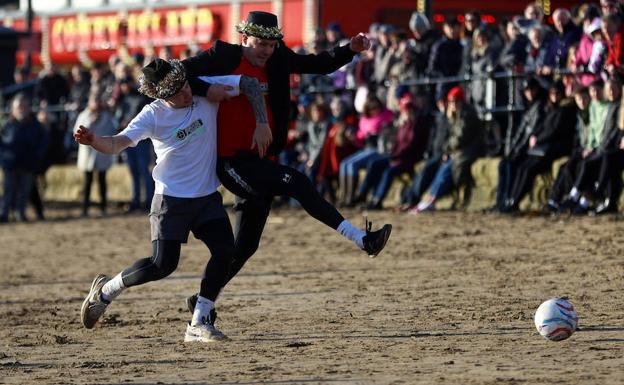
135,29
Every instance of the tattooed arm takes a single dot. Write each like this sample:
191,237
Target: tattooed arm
262,137
251,88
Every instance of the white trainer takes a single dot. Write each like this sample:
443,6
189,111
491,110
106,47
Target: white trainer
204,332
93,306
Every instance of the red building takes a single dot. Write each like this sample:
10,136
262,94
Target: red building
69,35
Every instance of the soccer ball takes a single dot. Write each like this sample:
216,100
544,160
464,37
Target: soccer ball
556,319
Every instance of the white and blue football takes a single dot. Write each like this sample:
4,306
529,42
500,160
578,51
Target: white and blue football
556,319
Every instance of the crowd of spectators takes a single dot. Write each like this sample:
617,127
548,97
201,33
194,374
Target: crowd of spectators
421,105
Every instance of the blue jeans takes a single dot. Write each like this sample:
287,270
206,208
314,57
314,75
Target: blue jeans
443,182
422,181
387,177
379,177
16,185
138,162
351,165
374,170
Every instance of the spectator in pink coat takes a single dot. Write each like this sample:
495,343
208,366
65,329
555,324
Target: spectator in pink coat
590,54
374,118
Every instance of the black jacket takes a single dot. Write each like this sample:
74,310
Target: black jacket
556,135
223,58
445,58
529,123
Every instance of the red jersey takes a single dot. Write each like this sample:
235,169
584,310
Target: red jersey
236,121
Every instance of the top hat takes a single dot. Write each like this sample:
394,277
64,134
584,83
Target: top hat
260,24
161,79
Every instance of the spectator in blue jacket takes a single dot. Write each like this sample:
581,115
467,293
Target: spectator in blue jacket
22,148
566,34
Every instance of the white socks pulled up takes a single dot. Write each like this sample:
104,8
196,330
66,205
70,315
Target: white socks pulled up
352,233
202,310
112,288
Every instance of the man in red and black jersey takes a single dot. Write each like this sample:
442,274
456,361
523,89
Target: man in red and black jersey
242,144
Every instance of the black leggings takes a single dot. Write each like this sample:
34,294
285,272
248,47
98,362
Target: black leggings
255,182
216,234
259,180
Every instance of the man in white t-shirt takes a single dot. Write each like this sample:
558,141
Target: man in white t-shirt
183,130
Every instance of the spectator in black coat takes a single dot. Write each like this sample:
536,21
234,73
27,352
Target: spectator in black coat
516,151
552,140
446,56
568,171
424,38
53,87
22,148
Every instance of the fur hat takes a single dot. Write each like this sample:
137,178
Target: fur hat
262,25
162,79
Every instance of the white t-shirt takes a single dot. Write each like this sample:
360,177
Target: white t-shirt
185,142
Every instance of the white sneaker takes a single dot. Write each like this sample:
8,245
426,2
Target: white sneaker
93,306
204,332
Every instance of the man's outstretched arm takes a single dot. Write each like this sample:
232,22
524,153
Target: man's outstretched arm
106,144
328,61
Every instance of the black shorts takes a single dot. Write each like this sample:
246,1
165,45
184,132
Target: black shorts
172,218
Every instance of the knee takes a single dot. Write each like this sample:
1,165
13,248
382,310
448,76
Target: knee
243,252
224,253
165,259
165,268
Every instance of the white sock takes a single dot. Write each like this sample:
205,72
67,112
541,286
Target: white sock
202,310
352,233
575,193
112,288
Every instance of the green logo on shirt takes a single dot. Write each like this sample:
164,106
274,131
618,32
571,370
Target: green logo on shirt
195,128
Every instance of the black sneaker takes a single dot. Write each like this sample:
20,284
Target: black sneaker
375,241
191,302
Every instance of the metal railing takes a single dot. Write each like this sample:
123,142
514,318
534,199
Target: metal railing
513,105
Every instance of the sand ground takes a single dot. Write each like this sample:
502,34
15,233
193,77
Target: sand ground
450,301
